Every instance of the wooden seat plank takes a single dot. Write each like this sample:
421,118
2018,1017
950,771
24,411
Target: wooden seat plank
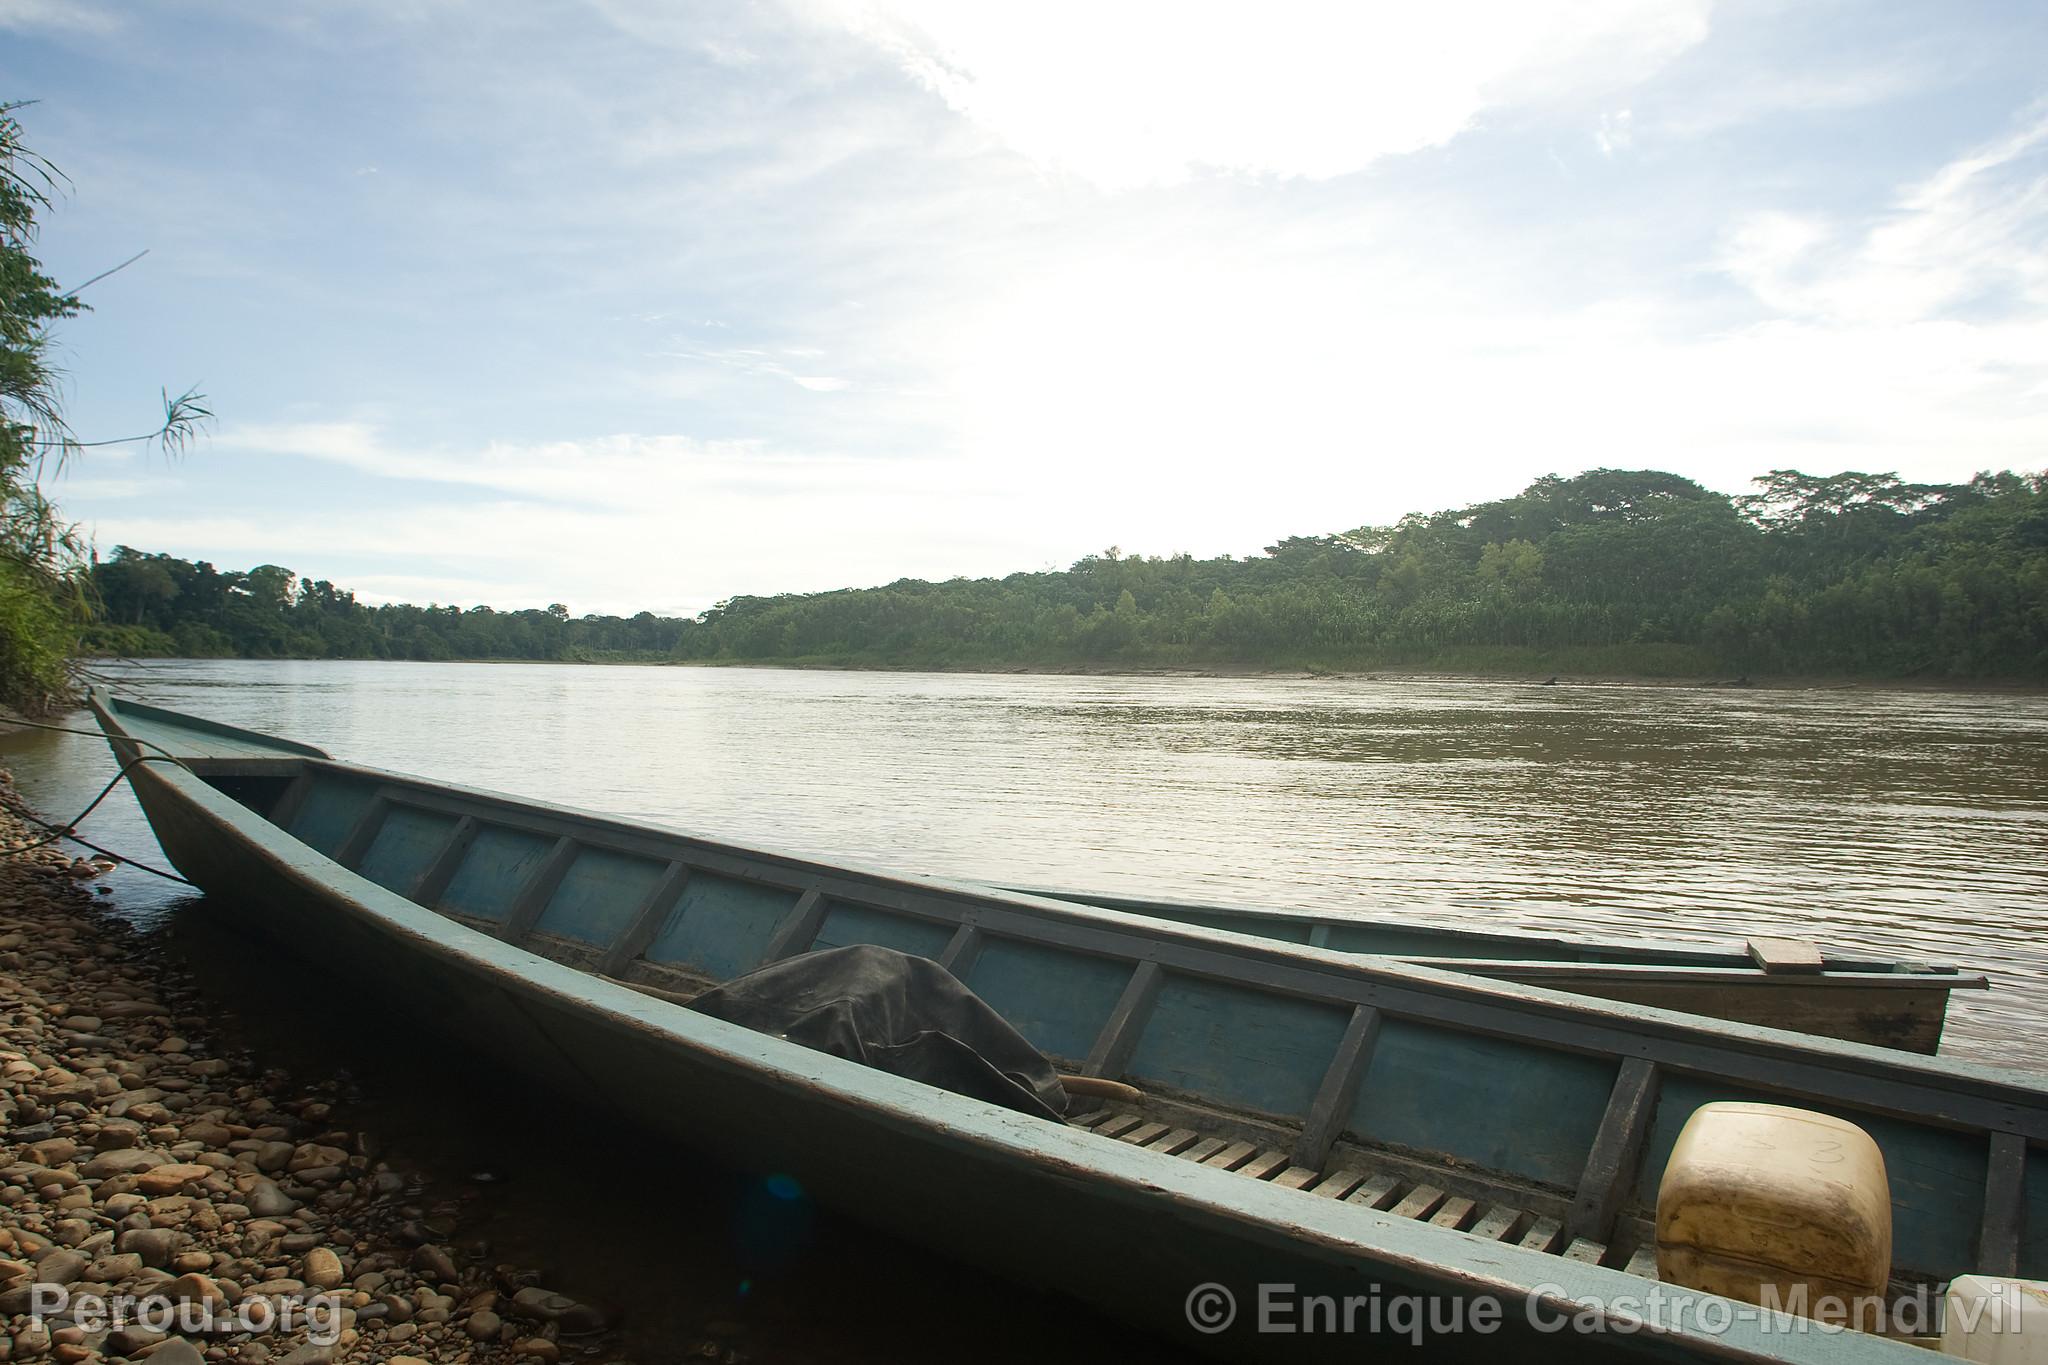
1264,1164
1377,1192
1297,1177
1456,1211
1144,1133
1583,1249
1203,1150
1173,1142
1121,1124
1340,1184
1088,1120
1498,1222
1644,1262
1542,1234
1420,1201
1785,955
1232,1157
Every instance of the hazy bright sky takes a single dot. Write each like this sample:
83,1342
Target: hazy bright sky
641,304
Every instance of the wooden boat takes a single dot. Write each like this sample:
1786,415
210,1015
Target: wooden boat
1359,1130
1775,982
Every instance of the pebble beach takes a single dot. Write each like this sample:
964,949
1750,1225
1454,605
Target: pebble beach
145,1158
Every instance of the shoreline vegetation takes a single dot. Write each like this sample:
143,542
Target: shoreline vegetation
1635,575
1538,671
1531,675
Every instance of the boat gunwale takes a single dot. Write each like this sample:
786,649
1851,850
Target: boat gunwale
1650,973
186,721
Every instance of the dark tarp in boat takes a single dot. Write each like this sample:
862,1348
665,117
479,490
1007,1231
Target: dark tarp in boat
901,1014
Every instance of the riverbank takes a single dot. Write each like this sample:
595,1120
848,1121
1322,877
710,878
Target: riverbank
144,1152
1531,677
1537,671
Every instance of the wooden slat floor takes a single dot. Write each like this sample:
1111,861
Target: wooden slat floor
1399,1195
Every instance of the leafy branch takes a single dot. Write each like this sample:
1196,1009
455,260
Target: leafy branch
184,418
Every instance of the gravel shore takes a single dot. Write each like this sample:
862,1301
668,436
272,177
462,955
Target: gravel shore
146,1158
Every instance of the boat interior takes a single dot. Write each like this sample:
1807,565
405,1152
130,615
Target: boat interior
1500,1111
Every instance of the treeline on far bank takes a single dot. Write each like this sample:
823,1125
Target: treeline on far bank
1610,571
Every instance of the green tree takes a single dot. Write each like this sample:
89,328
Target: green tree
43,559
1517,566
38,551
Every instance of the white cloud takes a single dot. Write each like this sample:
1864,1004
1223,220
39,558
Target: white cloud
1617,132
442,589
67,487
1914,339
72,16
618,471
1754,87
1141,93
1285,406
1972,235
620,523
755,361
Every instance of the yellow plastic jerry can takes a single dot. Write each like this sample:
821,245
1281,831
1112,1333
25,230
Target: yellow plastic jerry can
1776,1206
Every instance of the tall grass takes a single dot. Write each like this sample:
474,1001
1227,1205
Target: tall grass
37,637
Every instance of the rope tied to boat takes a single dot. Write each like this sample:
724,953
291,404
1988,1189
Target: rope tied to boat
69,829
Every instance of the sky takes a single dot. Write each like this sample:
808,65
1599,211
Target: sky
642,304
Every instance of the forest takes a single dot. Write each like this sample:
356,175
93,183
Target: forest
1607,572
